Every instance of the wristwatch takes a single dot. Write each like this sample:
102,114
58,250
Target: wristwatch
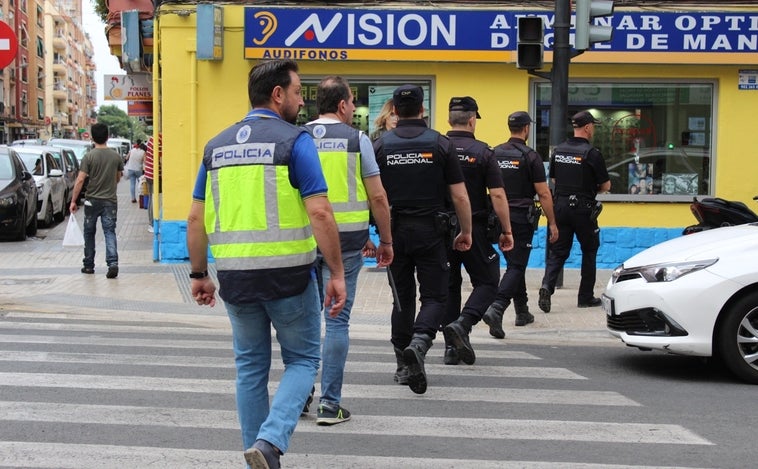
198,275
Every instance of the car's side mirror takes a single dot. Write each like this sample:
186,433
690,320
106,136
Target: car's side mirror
26,176
56,173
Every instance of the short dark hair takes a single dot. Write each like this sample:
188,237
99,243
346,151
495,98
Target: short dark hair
405,111
267,75
331,90
99,133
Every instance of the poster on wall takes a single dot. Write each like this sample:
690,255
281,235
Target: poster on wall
640,178
680,183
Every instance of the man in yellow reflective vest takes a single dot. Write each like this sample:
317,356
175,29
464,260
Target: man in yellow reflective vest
260,202
349,165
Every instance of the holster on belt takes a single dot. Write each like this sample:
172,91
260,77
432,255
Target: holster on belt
533,214
596,209
493,228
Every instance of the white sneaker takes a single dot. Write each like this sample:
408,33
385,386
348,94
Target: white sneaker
150,229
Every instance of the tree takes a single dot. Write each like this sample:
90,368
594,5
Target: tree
120,124
101,9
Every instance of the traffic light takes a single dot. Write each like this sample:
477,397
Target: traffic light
531,33
588,33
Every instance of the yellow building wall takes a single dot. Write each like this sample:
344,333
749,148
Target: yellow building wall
200,98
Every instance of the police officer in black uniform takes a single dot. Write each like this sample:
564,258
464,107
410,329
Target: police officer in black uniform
579,173
419,170
482,263
524,177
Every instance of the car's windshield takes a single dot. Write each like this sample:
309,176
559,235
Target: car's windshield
6,170
79,148
32,161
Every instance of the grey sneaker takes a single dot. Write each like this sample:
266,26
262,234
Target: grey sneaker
262,455
328,415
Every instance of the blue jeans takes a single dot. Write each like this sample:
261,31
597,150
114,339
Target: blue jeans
336,338
133,175
107,212
297,322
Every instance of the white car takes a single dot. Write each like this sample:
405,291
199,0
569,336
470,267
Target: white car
51,187
695,295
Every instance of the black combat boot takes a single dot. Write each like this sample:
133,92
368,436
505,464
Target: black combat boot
401,375
457,333
493,317
523,316
451,354
414,356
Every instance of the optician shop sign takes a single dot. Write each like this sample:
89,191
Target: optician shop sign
474,36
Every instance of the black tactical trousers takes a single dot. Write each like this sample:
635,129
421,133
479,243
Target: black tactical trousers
513,284
483,267
420,251
574,221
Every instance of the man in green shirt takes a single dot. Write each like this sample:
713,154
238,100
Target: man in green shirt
104,168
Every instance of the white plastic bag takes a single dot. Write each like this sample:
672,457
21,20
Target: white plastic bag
74,236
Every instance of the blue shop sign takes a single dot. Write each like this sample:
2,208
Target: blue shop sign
474,35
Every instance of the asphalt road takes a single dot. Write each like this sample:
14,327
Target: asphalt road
91,389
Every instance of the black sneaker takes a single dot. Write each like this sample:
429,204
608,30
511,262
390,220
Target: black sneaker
456,334
88,270
591,303
451,356
112,272
522,319
262,455
328,415
307,406
544,301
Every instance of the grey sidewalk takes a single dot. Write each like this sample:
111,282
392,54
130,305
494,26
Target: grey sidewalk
40,275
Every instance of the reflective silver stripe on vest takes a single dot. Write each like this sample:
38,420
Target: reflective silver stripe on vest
270,262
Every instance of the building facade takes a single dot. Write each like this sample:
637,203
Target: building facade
49,89
675,90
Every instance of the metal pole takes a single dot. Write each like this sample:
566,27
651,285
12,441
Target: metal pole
560,74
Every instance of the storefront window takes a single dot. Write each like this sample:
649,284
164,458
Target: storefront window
656,137
370,99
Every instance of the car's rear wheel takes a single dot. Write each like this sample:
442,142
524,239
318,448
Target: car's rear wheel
18,234
737,341
31,228
61,214
48,219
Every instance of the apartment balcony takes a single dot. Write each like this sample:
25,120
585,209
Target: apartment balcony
59,66
59,42
59,91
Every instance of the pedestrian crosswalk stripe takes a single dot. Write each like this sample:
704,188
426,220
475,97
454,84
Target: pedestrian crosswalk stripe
83,456
391,391
442,427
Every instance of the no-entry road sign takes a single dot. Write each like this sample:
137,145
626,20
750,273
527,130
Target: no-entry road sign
8,44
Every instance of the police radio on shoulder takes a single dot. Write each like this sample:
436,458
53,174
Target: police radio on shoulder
198,275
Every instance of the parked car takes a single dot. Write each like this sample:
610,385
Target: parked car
644,172
67,162
18,197
122,145
694,295
51,188
80,147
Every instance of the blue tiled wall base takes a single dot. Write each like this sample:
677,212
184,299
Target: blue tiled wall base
616,245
